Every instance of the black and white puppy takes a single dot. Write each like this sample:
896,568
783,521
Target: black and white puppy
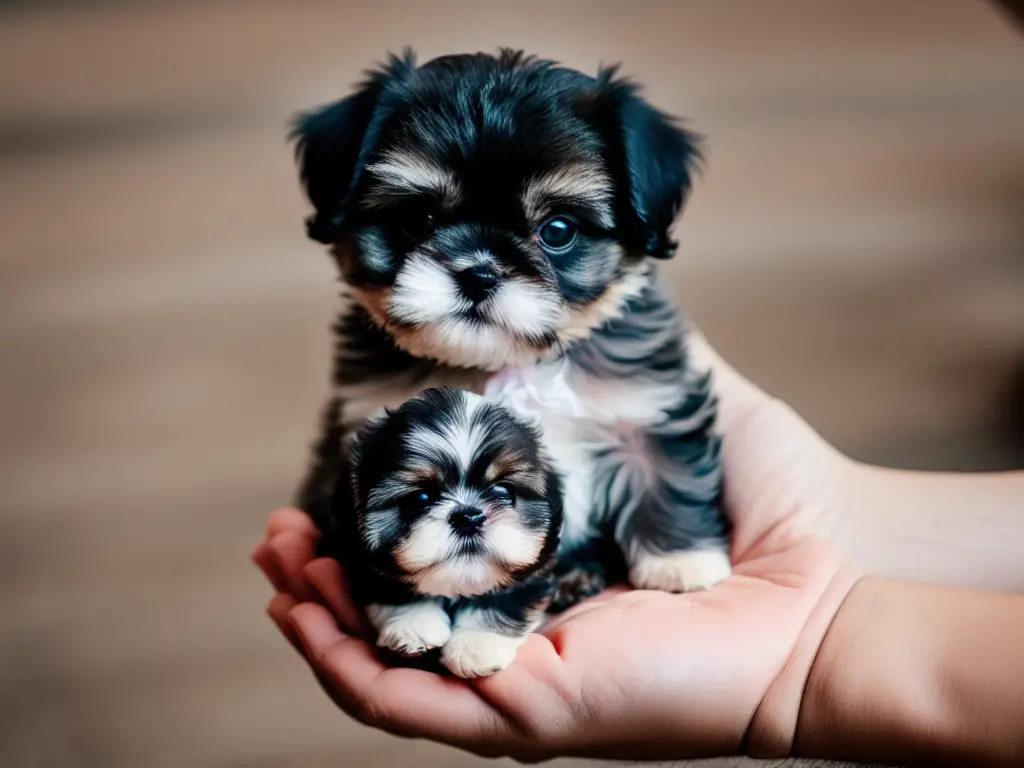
497,221
454,536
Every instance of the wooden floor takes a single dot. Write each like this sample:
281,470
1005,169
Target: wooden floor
857,246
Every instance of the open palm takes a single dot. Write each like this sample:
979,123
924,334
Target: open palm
615,675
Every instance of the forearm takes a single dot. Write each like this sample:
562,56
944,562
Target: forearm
963,530
914,674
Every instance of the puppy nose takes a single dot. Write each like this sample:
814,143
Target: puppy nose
466,520
477,283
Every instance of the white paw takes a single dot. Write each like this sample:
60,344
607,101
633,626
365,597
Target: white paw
410,630
475,653
679,571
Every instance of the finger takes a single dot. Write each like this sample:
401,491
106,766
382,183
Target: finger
264,560
291,520
533,692
408,701
327,577
291,552
278,609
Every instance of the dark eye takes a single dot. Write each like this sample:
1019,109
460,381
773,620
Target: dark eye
557,234
421,500
503,494
418,223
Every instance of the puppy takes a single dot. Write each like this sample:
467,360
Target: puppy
497,221
453,540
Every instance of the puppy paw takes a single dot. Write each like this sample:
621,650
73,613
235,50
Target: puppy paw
411,630
687,571
475,653
574,587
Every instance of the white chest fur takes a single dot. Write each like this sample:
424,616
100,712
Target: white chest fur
585,422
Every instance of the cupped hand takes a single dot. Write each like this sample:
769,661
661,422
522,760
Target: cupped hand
629,674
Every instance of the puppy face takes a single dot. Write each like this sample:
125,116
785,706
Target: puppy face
453,495
486,210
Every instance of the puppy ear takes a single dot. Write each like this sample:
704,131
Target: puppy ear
652,159
362,450
333,144
327,144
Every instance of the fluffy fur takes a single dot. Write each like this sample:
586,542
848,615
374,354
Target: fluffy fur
456,528
497,221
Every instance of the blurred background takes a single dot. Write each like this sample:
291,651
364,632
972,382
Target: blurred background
856,246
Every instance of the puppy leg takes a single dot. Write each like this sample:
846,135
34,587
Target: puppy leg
411,629
489,630
671,531
585,571
583,580
688,570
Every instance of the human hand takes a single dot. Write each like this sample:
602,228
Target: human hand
629,675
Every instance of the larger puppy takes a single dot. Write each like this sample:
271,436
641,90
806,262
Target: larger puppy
498,219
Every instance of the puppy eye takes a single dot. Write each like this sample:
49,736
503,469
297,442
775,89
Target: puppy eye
557,234
421,500
418,223
503,494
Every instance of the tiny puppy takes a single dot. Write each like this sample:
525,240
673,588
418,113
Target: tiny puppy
456,529
497,222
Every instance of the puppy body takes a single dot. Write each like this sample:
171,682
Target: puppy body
497,222
627,425
454,534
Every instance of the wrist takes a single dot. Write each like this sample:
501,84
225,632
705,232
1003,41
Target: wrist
909,673
772,730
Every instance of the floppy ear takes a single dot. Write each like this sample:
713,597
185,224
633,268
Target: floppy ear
653,161
333,145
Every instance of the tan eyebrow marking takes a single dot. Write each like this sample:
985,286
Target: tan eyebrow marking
420,474
584,183
517,469
400,172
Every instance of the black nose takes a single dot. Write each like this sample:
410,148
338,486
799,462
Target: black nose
477,283
466,520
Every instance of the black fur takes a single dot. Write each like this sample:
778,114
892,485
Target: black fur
679,509
413,436
382,449
653,157
493,125
470,111
334,142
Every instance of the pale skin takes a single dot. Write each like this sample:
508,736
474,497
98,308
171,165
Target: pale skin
807,649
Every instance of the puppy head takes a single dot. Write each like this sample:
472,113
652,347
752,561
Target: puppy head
485,210
453,495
